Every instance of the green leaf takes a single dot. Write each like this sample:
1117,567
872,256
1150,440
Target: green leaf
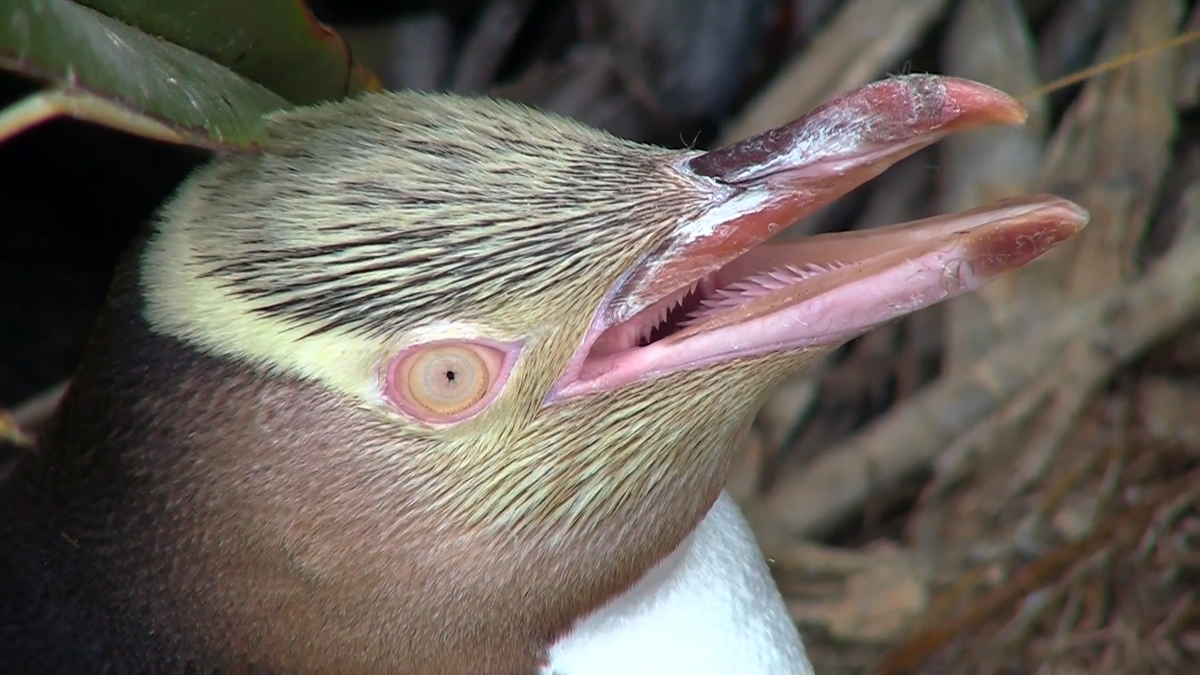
201,72
276,43
81,105
109,72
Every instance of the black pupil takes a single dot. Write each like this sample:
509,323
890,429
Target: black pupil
450,375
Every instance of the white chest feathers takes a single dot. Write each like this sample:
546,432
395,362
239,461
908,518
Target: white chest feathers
710,608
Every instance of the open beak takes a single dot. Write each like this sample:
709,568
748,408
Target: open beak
715,289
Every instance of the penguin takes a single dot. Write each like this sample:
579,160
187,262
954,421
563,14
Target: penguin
445,385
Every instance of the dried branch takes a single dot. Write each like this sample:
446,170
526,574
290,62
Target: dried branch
1114,328
1123,530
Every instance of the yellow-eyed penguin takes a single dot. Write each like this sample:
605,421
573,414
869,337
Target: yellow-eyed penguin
449,386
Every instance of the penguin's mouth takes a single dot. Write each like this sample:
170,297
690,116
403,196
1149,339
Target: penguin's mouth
716,289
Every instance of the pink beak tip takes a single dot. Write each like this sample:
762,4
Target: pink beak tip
1017,244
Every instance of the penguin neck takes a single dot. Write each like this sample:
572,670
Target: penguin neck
711,607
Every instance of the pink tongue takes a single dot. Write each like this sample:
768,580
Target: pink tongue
830,288
823,288
737,293
868,278
636,330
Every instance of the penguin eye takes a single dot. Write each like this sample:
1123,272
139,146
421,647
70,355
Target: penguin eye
445,382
